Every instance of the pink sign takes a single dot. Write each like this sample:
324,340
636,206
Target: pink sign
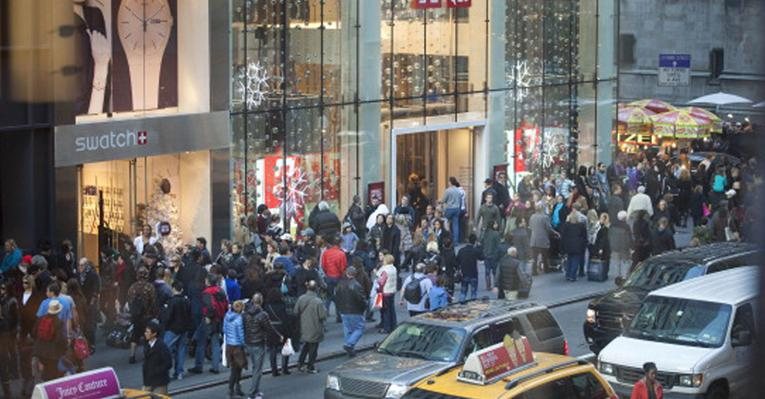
96,384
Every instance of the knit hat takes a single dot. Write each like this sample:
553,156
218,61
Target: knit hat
26,259
351,271
622,215
308,232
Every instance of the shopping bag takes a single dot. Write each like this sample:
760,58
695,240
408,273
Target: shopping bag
287,349
81,348
378,303
224,360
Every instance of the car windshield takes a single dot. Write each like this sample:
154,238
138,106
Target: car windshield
423,341
681,321
650,276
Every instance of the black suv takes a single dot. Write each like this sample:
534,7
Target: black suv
608,315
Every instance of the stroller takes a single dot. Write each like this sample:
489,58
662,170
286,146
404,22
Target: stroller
120,333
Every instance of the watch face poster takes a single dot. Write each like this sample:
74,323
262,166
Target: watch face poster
91,31
145,54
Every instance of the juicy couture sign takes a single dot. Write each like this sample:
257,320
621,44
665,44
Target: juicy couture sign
421,4
126,139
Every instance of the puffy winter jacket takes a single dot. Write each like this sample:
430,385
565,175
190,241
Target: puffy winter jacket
333,262
256,325
233,328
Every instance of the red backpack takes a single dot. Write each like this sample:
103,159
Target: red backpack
218,303
46,328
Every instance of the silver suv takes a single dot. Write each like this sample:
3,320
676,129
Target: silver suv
434,342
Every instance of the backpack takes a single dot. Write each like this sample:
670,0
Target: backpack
718,184
413,291
81,348
46,329
219,304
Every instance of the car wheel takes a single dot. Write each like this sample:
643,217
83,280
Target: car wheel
717,391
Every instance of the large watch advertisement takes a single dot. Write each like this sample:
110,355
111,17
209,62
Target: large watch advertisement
128,50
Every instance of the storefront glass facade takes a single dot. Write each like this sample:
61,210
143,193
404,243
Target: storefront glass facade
330,96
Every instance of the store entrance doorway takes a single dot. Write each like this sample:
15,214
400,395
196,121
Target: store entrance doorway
424,161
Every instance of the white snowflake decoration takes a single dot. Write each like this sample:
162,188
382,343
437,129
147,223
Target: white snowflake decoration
522,78
252,84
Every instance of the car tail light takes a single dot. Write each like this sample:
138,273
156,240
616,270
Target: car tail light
565,347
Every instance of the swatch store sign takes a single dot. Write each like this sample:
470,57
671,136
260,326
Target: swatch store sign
422,4
96,142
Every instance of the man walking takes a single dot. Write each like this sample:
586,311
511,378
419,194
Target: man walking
214,308
540,227
415,291
452,208
256,327
312,314
157,361
351,302
91,289
468,258
177,323
333,263
506,281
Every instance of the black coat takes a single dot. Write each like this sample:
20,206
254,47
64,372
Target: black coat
602,243
326,224
350,297
574,238
282,323
156,364
391,240
176,315
468,258
663,241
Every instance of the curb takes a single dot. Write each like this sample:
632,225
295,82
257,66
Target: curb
337,354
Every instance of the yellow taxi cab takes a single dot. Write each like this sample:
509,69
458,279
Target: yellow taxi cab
510,370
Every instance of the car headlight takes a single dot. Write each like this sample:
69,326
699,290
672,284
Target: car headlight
333,382
396,391
590,316
607,368
690,380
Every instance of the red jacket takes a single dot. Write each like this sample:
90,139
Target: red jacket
640,391
334,262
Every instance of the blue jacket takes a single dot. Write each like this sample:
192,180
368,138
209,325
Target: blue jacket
233,328
11,260
233,291
438,297
289,265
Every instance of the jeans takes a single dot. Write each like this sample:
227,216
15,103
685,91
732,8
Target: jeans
489,267
572,266
453,216
177,345
331,284
203,332
257,355
472,282
388,313
310,350
353,328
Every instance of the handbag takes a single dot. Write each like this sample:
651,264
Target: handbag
287,349
378,302
223,357
81,348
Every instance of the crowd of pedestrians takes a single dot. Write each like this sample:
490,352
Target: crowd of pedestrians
271,296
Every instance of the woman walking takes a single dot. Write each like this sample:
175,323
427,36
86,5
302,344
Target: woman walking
386,279
281,331
233,328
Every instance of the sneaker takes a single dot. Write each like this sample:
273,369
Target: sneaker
301,369
312,370
179,376
196,370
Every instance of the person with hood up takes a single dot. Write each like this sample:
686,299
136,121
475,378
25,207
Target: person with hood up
233,330
348,239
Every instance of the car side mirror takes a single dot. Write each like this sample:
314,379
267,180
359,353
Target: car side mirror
741,338
619,281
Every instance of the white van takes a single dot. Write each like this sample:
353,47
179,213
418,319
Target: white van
698,332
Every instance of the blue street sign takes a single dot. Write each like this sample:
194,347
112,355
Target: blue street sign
674,60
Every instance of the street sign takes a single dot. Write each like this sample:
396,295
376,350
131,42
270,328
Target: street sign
674,69
420,4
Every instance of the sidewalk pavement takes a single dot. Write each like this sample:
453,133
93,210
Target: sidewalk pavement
547,289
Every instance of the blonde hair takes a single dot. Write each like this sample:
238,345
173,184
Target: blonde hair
388,259
432,246
573,217
238,306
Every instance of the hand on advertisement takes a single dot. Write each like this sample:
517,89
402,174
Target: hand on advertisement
100,47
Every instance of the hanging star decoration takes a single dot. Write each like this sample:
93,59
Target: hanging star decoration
252,84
